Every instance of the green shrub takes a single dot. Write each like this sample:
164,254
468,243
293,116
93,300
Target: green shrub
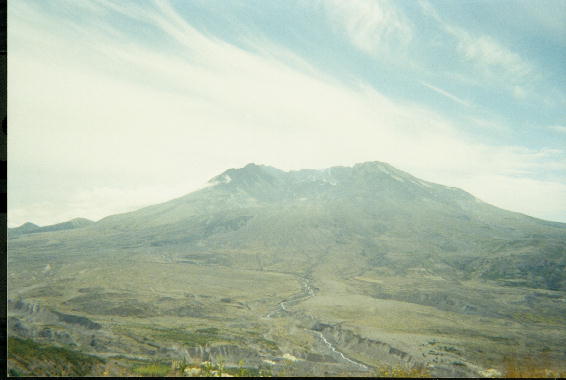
57,361
13,372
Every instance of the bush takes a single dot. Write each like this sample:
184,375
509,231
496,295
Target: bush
50,360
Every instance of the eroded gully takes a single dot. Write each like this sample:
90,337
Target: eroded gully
306,293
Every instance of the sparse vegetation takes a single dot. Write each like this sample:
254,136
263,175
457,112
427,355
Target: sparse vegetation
400,371
529,367
216,369
199,337
54,361
153,370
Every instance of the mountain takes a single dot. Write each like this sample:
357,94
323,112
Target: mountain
371,209
25,228
341,251
376,213
28,228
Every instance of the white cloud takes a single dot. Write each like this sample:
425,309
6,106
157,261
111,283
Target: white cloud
487,52
372,25
142,126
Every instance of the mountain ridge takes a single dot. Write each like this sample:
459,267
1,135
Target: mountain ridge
29,227
271,175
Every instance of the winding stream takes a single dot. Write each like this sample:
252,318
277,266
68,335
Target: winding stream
339,353
306,293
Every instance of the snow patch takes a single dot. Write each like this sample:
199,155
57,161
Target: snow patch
220,180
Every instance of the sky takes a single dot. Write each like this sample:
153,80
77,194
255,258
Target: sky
115,105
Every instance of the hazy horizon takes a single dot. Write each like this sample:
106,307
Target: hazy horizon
117,105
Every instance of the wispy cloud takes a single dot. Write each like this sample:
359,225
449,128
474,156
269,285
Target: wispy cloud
491,55
447,94
373,26
558,128
495,62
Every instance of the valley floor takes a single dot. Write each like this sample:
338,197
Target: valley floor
130,310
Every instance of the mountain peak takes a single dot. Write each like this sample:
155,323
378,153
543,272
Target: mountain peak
371,164
248,174
27,226
80,221
376,165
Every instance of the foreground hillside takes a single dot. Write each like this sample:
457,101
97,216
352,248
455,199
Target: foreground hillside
336,271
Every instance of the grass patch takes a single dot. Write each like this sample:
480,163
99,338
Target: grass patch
269,344
402,372
195,338
152,370
528,367
538,318
208,330
215,369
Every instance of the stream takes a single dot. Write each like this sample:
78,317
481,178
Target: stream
306,293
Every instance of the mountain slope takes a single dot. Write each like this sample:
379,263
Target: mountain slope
371,212
372,208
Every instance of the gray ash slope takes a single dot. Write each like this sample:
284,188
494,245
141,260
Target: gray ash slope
378,215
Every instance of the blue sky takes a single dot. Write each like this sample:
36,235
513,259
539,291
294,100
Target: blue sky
115,105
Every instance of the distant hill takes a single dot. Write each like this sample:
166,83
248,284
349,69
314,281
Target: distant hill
25,228
29,228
